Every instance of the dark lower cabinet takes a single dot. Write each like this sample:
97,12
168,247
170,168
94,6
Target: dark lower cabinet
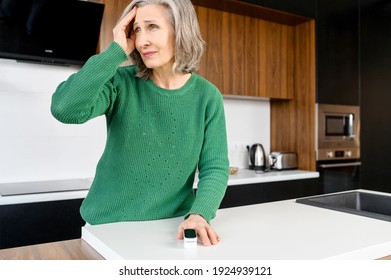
240,195
41,222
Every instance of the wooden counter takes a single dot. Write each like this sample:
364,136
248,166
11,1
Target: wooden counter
76,249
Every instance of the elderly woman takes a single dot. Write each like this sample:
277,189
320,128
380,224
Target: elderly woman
163,121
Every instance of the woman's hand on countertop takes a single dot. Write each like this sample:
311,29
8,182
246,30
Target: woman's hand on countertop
204,231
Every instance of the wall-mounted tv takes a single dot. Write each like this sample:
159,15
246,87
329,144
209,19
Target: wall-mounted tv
64,32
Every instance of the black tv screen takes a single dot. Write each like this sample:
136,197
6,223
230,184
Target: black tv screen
49,31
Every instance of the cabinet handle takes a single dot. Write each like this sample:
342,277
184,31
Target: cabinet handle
333,165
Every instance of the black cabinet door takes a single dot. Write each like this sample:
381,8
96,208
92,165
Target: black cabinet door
256,2
306,8
338,52
248,194
376,94
40,222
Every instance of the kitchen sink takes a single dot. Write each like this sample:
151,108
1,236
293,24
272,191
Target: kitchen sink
366,204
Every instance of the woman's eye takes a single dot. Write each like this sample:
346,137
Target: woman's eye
137,30
153,27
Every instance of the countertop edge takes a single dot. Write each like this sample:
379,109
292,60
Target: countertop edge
98,245
250,177
42,197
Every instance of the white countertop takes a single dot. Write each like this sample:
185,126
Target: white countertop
283,230
39,191
246,176
28,192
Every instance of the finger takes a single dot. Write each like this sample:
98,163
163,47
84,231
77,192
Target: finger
213,237
128,18
181,228
202,233
180,233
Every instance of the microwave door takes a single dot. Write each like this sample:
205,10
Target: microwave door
339,125
335,125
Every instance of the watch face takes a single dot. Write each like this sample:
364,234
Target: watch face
190,233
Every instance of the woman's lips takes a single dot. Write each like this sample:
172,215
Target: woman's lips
148,54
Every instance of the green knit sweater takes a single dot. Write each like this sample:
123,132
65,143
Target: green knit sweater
156,138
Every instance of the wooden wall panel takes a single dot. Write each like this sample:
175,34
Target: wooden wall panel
213,60
113,10
247,56
277,52
293,122
305,93
252,58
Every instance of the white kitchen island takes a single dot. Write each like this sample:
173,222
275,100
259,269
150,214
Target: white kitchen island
283,230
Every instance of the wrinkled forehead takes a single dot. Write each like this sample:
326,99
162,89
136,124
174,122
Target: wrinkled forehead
153,12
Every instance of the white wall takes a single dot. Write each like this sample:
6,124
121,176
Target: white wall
36,147
248,122
33,145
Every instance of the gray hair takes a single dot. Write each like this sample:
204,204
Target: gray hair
189,45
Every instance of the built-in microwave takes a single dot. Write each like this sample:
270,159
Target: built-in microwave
338,132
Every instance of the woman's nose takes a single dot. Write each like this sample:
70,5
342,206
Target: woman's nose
143,39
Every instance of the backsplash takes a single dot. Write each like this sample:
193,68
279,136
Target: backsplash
248,122
33,145
36,147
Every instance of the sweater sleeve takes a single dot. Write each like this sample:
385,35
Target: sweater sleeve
213,164
90,92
